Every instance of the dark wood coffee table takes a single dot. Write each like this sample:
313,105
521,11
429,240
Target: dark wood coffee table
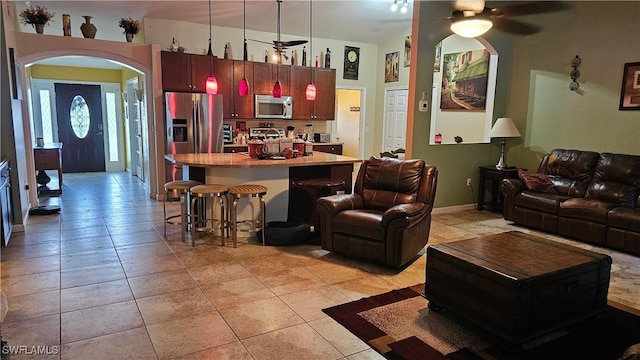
516,286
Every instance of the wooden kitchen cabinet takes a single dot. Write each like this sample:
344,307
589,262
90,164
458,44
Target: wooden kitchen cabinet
323,107
229,73
265,75
328,148
185,72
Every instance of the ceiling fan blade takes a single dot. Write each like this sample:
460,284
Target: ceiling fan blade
291,42
514,26
260,41
533,7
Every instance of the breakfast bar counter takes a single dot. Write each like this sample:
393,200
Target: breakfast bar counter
238,168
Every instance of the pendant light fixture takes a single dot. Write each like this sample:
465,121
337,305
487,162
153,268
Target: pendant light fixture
310,92
277,88
243,87
212,83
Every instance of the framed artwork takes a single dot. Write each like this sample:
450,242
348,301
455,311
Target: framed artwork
407,51
351,63
391,67
437,58
464,80
630,93
16,84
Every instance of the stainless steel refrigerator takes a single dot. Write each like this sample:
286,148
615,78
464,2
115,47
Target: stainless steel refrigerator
194,125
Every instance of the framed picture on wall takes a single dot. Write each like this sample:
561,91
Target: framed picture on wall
630,93
391,67
407,51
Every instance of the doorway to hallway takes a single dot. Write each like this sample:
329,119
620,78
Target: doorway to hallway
347,124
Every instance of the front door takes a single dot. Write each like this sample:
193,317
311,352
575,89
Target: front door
80,128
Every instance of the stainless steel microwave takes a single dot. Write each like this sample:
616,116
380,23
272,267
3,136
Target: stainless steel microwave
268,107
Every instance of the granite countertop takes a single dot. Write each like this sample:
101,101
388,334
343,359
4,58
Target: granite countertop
242,160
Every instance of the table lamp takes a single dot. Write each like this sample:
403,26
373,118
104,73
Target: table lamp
503,128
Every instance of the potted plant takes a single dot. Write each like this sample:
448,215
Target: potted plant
131,27
36,16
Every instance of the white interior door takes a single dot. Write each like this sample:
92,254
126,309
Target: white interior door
347,123
395,120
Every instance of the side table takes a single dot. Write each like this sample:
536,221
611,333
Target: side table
494,177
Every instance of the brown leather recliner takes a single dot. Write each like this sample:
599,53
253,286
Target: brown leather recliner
387,218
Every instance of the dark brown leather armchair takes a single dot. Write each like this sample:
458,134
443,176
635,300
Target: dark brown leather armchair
387,218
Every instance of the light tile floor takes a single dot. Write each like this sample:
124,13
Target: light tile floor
98,281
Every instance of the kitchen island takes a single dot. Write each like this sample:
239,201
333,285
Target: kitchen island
238,168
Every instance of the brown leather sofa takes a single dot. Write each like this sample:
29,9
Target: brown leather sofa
387,219
596,199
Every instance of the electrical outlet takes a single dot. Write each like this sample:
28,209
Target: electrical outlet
468,181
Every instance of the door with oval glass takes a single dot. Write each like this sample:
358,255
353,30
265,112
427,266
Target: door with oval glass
80,129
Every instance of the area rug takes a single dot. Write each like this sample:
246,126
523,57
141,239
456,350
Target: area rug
399,325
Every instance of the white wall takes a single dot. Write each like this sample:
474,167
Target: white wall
395,43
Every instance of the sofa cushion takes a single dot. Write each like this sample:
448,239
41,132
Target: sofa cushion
362,223
570,170
624,218
616,179
390,182
586,209
549,203
537,182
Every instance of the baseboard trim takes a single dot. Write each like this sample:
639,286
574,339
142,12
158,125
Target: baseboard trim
452,209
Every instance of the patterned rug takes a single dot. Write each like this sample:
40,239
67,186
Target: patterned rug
399,325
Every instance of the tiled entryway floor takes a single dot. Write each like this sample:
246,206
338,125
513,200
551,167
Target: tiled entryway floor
98,281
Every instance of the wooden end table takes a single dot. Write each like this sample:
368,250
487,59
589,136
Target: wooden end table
494,177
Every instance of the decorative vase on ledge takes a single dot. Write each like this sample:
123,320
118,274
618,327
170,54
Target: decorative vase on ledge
39,28
88,29
129,37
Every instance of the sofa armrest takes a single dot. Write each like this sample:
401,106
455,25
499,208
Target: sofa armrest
510,188
336,203
412,212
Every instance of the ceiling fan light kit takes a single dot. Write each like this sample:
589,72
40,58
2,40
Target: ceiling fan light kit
468,24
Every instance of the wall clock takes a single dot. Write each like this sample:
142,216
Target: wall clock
351,63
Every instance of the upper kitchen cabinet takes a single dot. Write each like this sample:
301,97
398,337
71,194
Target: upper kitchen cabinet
265,75
229,73
323,107
185,72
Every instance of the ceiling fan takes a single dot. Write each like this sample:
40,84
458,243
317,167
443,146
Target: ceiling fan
471,18
278,44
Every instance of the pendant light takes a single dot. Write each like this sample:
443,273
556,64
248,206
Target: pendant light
243,87
212,83
277,88
310,91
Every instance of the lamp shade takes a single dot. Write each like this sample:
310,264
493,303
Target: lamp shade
277,89
211,85
504,128
243,87
310,92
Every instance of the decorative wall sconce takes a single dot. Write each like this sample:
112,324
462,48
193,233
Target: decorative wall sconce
575,73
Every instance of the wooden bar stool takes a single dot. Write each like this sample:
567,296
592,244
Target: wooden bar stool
216,194
248,191
179,188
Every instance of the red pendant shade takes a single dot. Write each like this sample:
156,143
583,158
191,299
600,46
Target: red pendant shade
277,89
211,85
243,87
310,92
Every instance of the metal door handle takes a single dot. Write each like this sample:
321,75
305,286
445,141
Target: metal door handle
99,133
